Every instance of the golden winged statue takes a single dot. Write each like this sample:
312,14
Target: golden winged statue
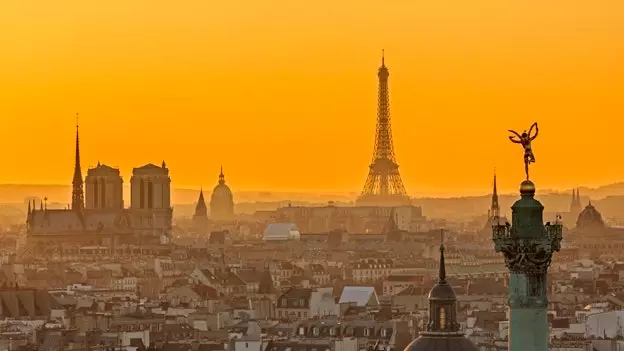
525,140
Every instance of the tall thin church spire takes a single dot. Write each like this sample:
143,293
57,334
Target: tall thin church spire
495,208
77,182
575,206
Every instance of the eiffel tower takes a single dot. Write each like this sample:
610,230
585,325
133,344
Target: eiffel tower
383,185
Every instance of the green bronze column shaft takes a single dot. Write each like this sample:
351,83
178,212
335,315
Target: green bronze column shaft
528,246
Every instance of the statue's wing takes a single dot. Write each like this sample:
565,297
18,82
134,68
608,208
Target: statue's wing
531,130
511,137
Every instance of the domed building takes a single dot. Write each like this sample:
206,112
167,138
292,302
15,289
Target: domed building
442,330
221,201
590,219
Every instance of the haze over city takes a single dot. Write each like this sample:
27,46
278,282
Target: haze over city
284,94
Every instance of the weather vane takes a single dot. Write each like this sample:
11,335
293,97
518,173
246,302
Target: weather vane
525,140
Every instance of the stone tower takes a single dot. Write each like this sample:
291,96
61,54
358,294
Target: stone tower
104,188
575,205
528,246
150,201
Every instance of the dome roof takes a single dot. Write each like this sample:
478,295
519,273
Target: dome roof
221,191
442,291
222,201
590,218
457,342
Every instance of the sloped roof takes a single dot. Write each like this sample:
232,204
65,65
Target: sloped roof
361,295
279,229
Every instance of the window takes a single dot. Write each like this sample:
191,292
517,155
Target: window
301,302
384,332
442,318
366,332
284,302
301,331
332,331
316,331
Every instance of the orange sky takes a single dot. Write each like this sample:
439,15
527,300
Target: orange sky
283,92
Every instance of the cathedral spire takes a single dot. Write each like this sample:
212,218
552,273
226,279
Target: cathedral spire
200,209
77,182
495,208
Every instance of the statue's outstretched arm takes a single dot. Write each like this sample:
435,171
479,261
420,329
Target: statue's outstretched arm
536,131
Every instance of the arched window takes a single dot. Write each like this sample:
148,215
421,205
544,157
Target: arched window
442,318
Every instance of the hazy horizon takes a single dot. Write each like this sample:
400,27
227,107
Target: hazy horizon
323,196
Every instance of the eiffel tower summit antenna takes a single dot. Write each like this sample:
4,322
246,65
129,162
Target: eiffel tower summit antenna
383,186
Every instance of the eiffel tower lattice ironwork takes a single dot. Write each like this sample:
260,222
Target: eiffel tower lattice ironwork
383,185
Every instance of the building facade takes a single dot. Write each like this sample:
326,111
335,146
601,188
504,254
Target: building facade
104,188
102,218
